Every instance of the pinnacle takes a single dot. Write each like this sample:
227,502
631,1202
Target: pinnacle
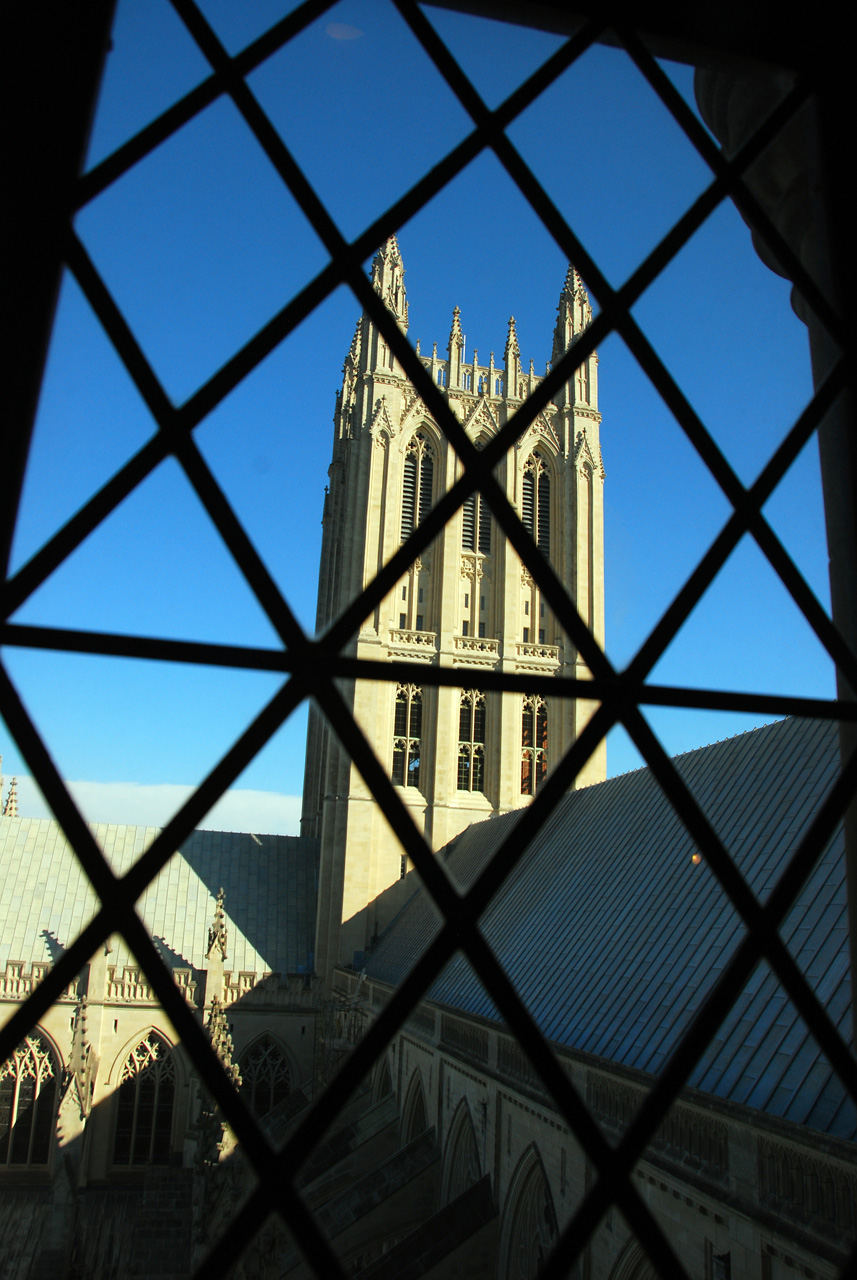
391,248
455,334
573,282
10,808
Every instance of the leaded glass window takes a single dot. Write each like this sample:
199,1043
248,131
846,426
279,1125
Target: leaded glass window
28,1088
534,744
407,735
265,1077
471,742
144,1106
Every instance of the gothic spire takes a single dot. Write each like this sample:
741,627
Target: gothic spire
512,347
388,280
456,337
512,360
574,313
456,349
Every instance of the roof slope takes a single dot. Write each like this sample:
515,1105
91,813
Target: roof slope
269,882
613,936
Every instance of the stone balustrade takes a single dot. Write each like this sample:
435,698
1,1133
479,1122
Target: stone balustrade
543,654
421,641
482,649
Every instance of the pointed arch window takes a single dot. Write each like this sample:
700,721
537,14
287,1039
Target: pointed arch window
536,502
534,744
417,484
144,1107
28,1091
530,1232
476,525
471,742
265,1077
415,1111
407,735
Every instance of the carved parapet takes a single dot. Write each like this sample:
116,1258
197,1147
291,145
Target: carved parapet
186,984
18,981
475,650
273,990
540,655
420,643
465,1036
128,985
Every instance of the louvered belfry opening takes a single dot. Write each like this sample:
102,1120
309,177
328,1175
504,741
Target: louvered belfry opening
71,54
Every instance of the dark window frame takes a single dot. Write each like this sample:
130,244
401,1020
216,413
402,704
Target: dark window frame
55,93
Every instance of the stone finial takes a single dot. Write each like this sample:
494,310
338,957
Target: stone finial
456,337
456,350
217,931
10,808
512,347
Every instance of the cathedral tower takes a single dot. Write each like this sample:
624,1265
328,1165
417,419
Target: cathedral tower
458,755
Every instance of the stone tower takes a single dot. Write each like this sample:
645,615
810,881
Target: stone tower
457,755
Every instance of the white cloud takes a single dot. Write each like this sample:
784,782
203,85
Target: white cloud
152,805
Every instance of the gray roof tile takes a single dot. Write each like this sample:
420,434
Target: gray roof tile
613,937
48,891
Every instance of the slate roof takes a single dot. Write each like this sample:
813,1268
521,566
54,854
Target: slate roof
612,935
270,885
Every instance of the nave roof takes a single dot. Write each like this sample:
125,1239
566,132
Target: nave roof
269,883
613,935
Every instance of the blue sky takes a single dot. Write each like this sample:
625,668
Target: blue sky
200,244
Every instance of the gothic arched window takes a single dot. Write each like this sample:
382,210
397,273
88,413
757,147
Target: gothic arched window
536,502
534,744
144,1105
530,1233
417,484
462,1168
415,1111
28,1090
407,735
265,1077
471,742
